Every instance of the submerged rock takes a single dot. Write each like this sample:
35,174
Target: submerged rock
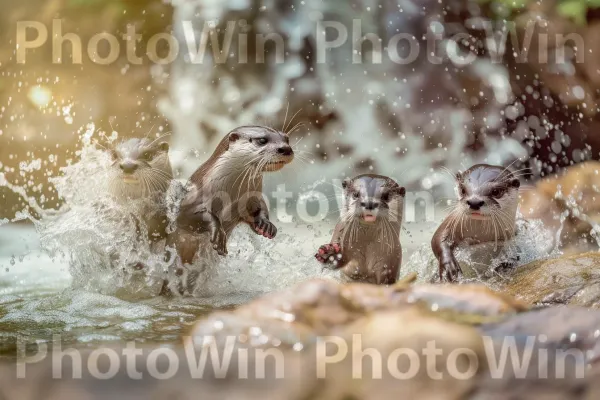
573,280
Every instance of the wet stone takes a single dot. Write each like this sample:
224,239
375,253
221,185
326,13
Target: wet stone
567,204
573,280
318,307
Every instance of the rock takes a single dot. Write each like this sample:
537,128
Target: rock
296,317
591,66
370,342
573,280
572,90
573,198
539,388
555,64
466,300
297,382
411,331
562,326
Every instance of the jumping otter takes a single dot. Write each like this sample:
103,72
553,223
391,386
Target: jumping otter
227,189
486,210
366,241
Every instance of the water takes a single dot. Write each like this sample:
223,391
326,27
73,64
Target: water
57,275
69,272
39,298
416,115
43,295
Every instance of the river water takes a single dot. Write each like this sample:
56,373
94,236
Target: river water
38,298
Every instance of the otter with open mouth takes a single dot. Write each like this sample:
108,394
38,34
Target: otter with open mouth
366,241
486,209
227,189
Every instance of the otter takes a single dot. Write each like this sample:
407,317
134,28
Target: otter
141,173
366,240
227,190
486,211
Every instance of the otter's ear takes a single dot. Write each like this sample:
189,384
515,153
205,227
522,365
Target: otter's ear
164,146
346,183
233,137
515,183
399,191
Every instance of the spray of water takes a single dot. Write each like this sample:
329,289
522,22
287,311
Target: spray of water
485,261
104,241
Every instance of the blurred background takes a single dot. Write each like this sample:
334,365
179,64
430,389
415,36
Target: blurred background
400,120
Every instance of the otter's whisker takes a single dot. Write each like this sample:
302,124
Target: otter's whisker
287,108
296,127
291,121
159,138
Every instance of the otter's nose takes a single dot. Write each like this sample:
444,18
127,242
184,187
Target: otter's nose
128,167
285,150
475,204
369,205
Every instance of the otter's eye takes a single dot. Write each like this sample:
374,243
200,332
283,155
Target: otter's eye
385,197
147,156
462,190
497,193
114,155
355,195
261,141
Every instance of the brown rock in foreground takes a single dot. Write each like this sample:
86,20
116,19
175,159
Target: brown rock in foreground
411,331
319,307
337,342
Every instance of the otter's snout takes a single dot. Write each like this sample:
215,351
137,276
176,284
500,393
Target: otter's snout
128,167
369,213
369,205
285,150
475,204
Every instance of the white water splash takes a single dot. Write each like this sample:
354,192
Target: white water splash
101,238
481,262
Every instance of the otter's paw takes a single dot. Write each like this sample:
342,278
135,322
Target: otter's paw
329,253
218,238
449,270
264,227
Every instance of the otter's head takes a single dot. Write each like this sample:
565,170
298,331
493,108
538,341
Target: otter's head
260,147
487,192
372,198
140,167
